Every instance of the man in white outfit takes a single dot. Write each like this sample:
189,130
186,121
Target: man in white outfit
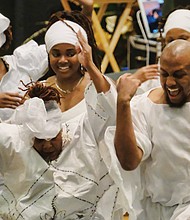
152,137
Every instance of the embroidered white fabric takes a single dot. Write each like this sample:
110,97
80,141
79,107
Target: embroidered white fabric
75,186
159,187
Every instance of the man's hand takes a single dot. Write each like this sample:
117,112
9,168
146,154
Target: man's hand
127,86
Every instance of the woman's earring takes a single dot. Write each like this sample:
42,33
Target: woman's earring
82,69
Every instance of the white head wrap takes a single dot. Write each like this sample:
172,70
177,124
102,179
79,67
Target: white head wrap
178,19
42,120
4,24
60,32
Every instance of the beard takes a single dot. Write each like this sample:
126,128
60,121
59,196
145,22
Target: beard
175,105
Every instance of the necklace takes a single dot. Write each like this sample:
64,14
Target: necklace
69,91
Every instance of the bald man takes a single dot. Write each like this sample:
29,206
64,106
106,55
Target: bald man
152,136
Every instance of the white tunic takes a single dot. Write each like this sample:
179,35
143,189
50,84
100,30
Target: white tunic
28,62
163,133
147,85
77,184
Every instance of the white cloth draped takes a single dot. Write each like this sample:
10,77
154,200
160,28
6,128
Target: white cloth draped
28,62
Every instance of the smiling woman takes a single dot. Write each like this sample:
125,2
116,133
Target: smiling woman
66,56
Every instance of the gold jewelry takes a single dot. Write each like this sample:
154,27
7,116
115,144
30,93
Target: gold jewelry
48,139
69,91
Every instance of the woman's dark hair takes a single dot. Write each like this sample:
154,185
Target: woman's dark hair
79,18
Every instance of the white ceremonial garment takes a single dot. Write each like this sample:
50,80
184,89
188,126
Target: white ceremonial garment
76,185
28,62
159,188
147,85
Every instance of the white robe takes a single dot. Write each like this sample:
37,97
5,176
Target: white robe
147,85
76,185
28,62
161,182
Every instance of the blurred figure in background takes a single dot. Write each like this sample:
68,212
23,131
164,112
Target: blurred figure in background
28,62
176,25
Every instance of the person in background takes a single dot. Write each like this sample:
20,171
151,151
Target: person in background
151,139
28,62
176,26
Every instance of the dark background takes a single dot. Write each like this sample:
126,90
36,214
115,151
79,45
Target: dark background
27,17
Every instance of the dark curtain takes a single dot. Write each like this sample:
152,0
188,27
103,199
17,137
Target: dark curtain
27,17
169,5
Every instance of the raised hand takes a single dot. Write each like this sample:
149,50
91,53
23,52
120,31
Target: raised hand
147,72
127,86
84,51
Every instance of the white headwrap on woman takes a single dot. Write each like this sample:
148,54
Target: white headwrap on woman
41,119
63,32
178,19
4,24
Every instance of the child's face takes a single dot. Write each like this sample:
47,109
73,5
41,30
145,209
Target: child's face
49,149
